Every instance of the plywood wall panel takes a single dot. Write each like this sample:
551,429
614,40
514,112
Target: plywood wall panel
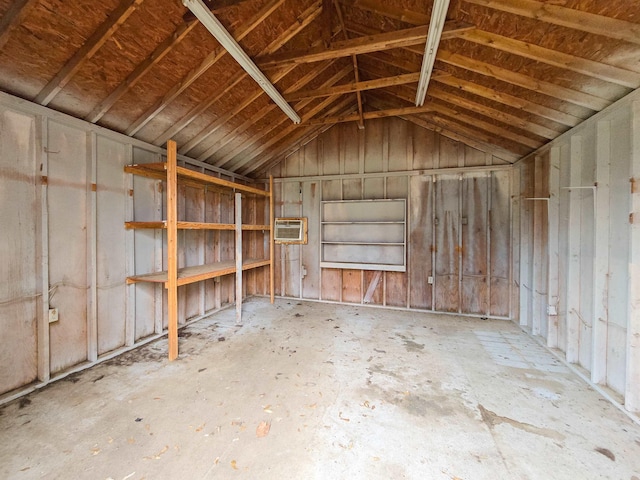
448,153
291,257
397,187
330,158
310,165
396,289
373,146
373,287
19,290
311,195
352,189
399,145
421,241
111,197
447,269
68,190
350,148
332,284
424,148
352,286
475,285
499,235
373,188
331,190
212,248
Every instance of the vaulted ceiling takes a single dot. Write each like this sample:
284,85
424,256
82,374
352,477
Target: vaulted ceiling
509,76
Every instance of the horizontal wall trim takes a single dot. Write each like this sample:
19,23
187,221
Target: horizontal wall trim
26,106
402,173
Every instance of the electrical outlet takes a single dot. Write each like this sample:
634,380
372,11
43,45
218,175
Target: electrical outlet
53,315
430,280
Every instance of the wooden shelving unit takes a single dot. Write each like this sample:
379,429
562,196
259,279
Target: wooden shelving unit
174,277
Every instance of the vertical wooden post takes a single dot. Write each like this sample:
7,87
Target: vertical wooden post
632,383
92,262
130,299
553,298
573,264
599,332
272,272
172,248
238,218
42,159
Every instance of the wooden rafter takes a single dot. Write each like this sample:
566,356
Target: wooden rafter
354,60
433,125
90,47
567,17
235,134
257,160
598,70
518,103
223,118
18,11
490,112
197,72
353,87
391,112
299,106
140,71
551,89
511,101
475,122
361,45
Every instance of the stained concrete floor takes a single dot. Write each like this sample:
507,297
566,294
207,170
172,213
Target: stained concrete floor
316,391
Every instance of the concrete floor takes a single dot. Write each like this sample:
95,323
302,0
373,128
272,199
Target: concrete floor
344,393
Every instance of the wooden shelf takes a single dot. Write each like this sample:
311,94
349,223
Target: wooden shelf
198,273
193,226
189,177
174,277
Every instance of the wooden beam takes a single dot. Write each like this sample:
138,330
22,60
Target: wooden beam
601,71
257,148
393,112
293,135
540,86
222,119
361,45
567,17
353,87
488,93
474,121
198,71
172,248
140,71
235,134
356,70
510,100
486,147
13,17
104,32
242,146
327,29
503,117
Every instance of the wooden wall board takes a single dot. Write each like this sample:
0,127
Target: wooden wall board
212,248
311,196
475,282
352,189
499,228
291,257
19,287
373,146
448,153
68,191
352,286
111,196
540,245
420,239
399,143
397,187
330,159
396,289
349,148
373,188
447,265
331,284
373,285
425,148
310,165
